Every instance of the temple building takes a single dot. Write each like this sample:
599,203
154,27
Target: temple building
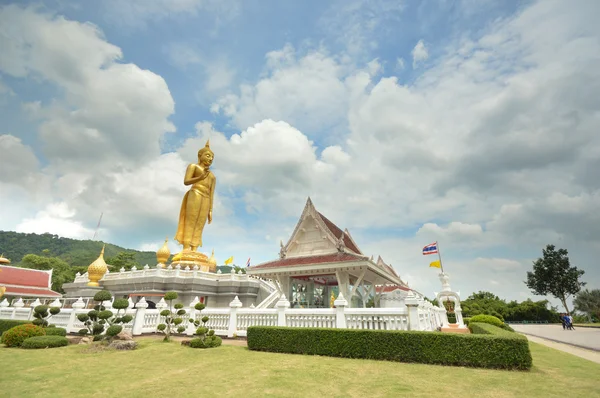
25,282
320,260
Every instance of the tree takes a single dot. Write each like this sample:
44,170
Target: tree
122,260
553,274
588,302
61,271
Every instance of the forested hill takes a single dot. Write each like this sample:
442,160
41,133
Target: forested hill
75,252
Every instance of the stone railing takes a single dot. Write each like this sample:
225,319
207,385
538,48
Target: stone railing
168,272
234,320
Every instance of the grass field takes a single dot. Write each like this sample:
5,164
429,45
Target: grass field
168,369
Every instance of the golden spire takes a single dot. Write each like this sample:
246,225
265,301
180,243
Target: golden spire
212,261
163,254
4,260
97,269
207,144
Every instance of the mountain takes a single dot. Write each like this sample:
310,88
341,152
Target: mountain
75,252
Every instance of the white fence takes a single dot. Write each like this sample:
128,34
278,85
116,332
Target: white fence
234,321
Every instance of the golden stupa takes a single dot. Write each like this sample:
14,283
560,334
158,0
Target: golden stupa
163,254
213,262
4,260
97,269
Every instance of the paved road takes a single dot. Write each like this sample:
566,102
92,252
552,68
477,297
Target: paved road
582,337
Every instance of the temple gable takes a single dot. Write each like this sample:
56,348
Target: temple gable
310,239
315,234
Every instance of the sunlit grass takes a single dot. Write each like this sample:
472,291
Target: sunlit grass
168,369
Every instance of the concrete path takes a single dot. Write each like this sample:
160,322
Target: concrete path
588,338
584,353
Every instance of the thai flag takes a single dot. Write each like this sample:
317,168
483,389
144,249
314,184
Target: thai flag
430,249
248,262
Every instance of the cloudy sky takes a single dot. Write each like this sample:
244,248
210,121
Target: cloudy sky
473,123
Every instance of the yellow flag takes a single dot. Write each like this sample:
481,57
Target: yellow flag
229,260
436,264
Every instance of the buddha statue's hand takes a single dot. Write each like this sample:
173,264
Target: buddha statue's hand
210,216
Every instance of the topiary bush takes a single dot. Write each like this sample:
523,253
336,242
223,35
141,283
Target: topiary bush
500,349
15,336
172,319
206,337
54,331
466,321
45,342
98,321
42,313
6,324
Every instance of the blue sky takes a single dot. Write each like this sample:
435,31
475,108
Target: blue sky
468,122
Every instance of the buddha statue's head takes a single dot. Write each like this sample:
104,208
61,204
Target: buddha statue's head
205,155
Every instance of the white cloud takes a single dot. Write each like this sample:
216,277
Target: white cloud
419,53
493,146
359,24
111,113
139,13
58,219
400,63
308,92
212,75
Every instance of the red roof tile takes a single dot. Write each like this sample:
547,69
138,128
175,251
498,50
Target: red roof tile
30,292
337,232
320,259
24,277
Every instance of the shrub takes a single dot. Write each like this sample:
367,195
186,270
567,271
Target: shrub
54,331
42,313
45,342
172,319
15,336
501,349
466,321
490,319
208,342
6,324
99,321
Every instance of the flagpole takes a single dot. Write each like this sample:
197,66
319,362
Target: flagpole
440,256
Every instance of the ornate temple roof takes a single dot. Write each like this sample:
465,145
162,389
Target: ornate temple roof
27,282
306,260
317,244
336,231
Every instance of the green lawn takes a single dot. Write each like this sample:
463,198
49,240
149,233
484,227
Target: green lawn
168,369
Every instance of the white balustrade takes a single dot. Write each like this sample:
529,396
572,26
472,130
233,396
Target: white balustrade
235,320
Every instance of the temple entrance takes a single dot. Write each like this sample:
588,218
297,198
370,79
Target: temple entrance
313,291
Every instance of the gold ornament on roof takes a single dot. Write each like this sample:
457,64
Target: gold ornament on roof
213,262
163,254
97,269
4,260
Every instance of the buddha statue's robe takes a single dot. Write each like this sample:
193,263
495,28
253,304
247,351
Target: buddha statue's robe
195,208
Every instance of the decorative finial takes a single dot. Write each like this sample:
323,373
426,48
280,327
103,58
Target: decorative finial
207,144
97,269
282,251
163,254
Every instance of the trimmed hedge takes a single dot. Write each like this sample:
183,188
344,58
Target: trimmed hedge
45,342
54,331
6,324
492,320
498,349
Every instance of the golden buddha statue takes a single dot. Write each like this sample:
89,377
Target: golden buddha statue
196,208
